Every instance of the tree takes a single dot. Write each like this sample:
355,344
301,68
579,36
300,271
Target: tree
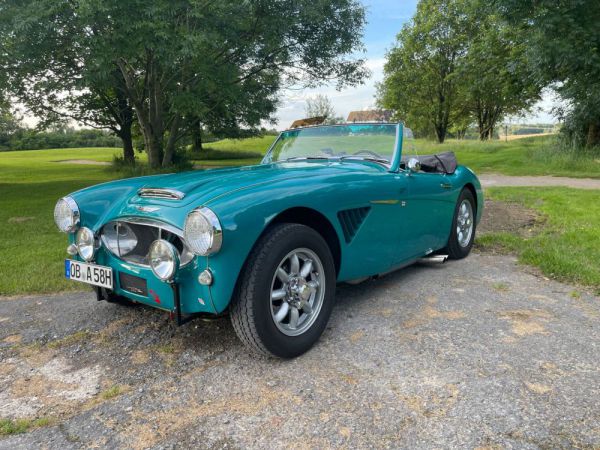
9,124
176,63
495,73
48,66
563,39
420,81
319,106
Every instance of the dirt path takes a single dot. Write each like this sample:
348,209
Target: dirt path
497,180
472,353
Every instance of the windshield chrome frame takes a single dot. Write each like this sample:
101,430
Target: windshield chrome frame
396,157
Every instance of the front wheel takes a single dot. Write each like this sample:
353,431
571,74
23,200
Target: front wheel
462,234
286,292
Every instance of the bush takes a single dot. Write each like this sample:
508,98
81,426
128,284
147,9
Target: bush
529,131
27,139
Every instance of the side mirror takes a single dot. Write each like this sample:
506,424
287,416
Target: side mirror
413,165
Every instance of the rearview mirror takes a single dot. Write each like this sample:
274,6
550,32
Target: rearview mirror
413,165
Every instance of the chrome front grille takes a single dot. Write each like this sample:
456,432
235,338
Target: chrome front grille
130,239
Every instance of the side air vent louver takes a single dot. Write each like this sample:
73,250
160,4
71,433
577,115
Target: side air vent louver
351,219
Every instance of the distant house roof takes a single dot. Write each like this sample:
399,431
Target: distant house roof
308,122
374,115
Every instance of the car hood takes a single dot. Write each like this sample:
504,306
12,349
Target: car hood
106,201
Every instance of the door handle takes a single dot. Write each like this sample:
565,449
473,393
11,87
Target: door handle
446,185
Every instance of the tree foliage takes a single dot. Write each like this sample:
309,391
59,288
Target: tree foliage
420,82
179,64
320,105
48,63
496,76
563,40
457,63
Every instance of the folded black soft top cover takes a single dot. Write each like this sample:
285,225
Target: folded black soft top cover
440,163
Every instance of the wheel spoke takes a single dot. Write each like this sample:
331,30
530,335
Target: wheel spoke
278,294
463,209
306,268
282,275
294,315
314,284
294,264
307,308
282,312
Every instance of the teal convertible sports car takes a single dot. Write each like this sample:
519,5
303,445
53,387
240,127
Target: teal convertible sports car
268,243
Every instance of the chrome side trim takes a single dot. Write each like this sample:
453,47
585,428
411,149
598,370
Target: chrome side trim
169,194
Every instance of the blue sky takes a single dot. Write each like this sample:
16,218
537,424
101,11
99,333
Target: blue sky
385,19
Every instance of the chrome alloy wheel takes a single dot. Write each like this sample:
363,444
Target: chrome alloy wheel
297,291
464,223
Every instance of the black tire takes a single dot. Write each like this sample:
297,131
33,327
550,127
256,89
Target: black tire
454,249
250,308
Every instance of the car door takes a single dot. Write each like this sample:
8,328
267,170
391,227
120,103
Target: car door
429,210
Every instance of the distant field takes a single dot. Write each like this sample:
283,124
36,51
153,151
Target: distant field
512,137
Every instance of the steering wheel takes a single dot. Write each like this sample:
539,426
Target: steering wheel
369,152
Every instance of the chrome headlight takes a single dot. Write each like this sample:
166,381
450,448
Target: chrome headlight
164,259
203,232
85,243
66,215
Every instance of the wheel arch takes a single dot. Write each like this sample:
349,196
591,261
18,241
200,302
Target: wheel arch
315,220
471,188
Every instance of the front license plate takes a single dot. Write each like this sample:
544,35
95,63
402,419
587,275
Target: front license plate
89,273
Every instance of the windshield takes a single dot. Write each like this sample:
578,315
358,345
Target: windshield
366,141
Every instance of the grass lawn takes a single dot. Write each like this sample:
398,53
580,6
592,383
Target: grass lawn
32,250
567,245
528,156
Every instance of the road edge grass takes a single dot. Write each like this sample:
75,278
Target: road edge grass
565,245
19,426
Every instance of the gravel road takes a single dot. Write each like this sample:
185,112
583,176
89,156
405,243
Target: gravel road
497,180
474,353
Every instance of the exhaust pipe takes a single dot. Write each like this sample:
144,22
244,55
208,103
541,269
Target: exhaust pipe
435,259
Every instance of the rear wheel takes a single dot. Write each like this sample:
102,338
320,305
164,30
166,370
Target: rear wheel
462,234
286,292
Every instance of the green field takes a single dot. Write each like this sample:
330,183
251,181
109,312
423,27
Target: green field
567,244
32,250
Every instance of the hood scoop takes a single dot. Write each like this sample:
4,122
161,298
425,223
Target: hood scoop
167,194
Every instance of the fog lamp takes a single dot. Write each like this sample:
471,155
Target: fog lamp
85,243
164,259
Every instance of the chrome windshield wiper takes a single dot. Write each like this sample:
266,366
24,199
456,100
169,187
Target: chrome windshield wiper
365,158
303,158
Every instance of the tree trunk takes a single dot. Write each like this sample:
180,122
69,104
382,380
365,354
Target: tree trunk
154,149
440,132
197,138
170,147
128,154
593,136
